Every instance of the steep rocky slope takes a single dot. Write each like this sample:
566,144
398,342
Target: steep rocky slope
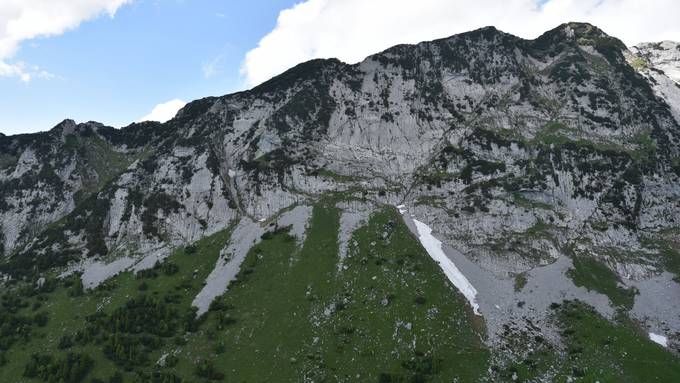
663,56
548,168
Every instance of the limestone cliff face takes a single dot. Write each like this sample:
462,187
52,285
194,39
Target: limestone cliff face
663,56
516,152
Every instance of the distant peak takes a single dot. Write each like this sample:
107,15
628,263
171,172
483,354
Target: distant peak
576,31
65,122
304,70
70,127
488,32
489,28
582,28
65,127
582,34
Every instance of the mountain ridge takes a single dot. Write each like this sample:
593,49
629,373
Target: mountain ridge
555,32
546,168
146,134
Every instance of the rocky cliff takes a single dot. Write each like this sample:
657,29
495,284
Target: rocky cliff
548,168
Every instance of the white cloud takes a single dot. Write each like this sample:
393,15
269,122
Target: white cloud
22,20
14,70
212,67
23,71
353,29
164,112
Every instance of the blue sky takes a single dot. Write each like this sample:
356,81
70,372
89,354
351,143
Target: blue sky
115,70
114,61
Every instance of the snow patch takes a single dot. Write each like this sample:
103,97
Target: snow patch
433,246
659,339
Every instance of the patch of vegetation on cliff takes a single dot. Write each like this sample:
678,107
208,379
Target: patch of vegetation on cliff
325,173
522,201
277,161
667,244
595,276
592,349
598,349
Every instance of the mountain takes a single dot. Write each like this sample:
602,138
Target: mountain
476,208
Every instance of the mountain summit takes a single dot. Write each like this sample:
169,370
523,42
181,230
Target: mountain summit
475,208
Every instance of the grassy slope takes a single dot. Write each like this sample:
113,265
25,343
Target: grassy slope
292,315
592,349
611,352
298,317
